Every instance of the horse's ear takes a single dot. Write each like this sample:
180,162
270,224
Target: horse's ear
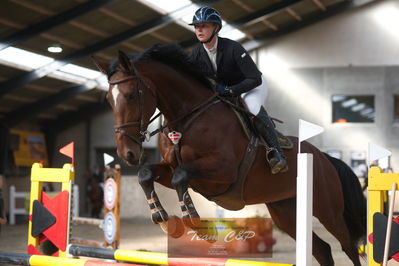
125,63
100,64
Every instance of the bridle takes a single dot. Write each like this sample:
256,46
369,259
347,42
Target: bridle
144,133
120,129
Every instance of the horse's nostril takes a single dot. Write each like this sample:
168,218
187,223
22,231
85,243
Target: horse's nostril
129,155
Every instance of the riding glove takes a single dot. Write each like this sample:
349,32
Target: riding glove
223,90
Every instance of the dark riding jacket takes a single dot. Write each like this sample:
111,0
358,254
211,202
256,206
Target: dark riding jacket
235,67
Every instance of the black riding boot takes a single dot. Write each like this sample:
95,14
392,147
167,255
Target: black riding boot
265,127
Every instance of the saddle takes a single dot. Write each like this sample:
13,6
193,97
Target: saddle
245,118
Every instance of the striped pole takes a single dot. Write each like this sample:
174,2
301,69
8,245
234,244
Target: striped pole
42,260
158,258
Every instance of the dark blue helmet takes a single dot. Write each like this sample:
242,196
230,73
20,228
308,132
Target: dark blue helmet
207,14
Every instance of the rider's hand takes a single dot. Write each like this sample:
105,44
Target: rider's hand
223,90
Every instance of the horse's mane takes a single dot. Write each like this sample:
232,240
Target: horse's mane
169,54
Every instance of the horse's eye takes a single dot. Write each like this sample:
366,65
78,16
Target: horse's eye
131,96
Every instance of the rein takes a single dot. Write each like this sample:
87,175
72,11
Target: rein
145,134
202,106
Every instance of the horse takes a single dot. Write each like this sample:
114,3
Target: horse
211,148
95,194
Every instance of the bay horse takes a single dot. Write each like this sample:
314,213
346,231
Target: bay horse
95,193
212,147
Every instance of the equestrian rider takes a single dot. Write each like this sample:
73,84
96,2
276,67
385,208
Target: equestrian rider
236,74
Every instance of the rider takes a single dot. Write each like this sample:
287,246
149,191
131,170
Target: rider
230,65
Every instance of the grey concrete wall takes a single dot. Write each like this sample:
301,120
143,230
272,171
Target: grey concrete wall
102,134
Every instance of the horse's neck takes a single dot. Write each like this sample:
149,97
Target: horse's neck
178,94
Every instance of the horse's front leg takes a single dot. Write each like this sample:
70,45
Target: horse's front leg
206,167
147,175
180,181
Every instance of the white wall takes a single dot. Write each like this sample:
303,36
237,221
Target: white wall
367,36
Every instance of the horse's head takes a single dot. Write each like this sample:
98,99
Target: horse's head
133,103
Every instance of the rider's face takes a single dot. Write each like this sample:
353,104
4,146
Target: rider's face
204,30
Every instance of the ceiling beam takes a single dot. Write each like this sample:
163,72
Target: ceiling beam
132,23
331,11
52,22
293,14
51,37
264,13
31,110
134,32
251,10
320,5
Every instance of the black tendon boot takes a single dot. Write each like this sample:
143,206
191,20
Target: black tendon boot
265,127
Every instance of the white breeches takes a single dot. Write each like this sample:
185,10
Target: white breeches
255,98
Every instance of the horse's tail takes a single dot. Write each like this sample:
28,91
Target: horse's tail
355,210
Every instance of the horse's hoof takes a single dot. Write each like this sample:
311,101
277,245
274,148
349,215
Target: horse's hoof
164,227
192,220
159,216
174,227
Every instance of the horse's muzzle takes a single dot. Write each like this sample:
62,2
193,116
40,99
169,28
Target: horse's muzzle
131,159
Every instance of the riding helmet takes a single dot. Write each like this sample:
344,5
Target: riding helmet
207,14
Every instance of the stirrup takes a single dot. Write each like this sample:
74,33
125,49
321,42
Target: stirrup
269,153
277,163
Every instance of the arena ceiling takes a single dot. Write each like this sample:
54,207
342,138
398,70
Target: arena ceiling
49,95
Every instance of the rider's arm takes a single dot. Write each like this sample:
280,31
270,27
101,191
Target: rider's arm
249,69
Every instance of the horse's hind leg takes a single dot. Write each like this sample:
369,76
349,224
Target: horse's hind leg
209,168
283,214
337,227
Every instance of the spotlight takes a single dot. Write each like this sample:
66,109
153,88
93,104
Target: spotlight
54,48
